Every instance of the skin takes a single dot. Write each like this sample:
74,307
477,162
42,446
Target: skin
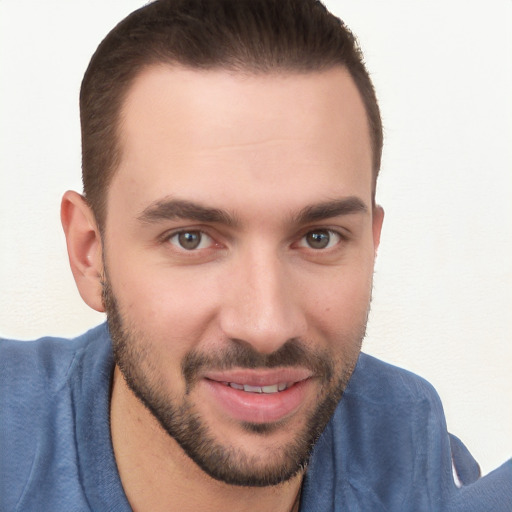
264,150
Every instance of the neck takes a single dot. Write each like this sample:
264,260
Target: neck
158,476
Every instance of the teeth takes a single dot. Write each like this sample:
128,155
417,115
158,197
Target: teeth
259,389
252,389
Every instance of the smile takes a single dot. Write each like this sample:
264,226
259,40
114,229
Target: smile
274,388
259,396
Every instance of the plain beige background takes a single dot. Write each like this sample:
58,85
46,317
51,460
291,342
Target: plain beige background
443,286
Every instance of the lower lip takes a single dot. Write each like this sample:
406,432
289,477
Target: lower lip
258,407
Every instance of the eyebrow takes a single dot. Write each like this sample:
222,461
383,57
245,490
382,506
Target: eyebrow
335,208
172,209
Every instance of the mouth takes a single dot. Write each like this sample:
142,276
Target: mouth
268,389
253,396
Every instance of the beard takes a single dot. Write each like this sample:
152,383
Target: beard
182,421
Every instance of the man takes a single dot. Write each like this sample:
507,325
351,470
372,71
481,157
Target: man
229,229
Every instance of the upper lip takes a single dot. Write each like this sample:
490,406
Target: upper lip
260,377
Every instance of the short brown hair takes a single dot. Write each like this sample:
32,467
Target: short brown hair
239,35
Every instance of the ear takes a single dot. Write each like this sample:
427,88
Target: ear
83,241
378,219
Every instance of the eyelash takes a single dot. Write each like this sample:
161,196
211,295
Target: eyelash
332,234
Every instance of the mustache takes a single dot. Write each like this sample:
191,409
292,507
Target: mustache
240,354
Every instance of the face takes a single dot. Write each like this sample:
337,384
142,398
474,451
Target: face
238,248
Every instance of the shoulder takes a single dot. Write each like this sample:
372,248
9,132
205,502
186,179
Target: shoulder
393,415
41,383
386,446
374,380
46,362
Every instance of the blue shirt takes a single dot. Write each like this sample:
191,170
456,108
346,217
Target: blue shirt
386,447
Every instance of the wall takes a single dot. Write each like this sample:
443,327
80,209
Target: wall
443,285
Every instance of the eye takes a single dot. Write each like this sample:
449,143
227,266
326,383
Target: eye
320,239
191,240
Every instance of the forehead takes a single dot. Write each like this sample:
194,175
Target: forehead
202,133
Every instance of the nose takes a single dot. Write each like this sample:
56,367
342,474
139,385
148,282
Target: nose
262,303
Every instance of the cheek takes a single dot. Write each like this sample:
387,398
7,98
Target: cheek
164,303
338,303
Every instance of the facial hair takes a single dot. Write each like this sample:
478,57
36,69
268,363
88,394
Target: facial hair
181,420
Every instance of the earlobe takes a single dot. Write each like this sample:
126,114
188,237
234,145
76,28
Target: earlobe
378,219
83,242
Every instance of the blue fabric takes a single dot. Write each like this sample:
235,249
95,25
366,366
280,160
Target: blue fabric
385,449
